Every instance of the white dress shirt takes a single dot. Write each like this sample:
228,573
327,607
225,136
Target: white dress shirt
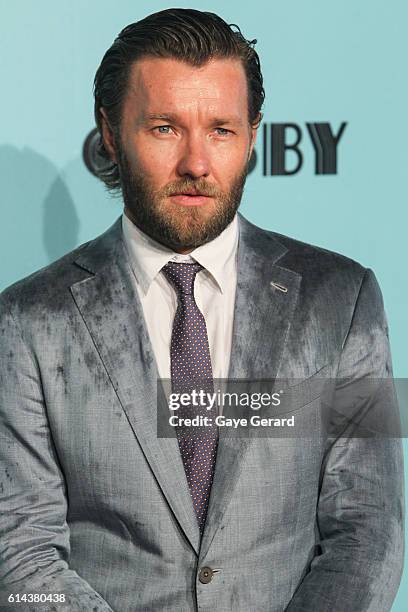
214,291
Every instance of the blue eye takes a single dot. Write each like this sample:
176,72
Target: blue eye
163,127
223,131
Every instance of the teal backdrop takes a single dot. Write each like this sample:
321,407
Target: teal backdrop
322,62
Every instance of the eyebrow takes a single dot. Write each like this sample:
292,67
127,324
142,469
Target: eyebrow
173,118
160,117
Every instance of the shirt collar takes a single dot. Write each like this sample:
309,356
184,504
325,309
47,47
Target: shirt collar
149,256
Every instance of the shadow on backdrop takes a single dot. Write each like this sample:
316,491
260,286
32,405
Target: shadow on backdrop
39,219
60,220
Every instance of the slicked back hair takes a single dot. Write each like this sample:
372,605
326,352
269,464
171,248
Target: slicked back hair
188,35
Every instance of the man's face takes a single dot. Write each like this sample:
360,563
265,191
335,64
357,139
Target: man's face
184,148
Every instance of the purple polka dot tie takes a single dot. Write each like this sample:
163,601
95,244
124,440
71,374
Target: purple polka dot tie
191,369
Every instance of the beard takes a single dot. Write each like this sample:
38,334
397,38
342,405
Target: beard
176,226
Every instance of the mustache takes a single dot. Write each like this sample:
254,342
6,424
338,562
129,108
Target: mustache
184,185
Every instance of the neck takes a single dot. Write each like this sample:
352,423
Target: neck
182,251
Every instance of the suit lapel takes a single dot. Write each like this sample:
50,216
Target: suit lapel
110,306
262,319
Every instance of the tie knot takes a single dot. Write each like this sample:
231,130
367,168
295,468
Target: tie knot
182,276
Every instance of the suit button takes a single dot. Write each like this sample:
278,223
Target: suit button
205,575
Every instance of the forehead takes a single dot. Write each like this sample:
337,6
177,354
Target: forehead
170,85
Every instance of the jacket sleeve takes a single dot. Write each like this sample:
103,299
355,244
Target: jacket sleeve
360,511
34,535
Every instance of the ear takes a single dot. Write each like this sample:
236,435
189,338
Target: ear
253,134
107,135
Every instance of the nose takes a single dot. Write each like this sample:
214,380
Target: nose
194,158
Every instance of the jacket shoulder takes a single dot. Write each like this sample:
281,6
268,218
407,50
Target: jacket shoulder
49,284
307,256
57,271
321,270
300,256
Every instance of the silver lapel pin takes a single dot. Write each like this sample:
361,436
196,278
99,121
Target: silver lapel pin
280,287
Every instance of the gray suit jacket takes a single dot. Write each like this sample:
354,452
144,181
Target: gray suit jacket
95,506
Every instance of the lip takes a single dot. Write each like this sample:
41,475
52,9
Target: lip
190,200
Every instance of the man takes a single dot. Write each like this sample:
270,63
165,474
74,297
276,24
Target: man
97,511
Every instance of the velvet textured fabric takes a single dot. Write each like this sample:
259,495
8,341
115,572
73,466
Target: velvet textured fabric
93,504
